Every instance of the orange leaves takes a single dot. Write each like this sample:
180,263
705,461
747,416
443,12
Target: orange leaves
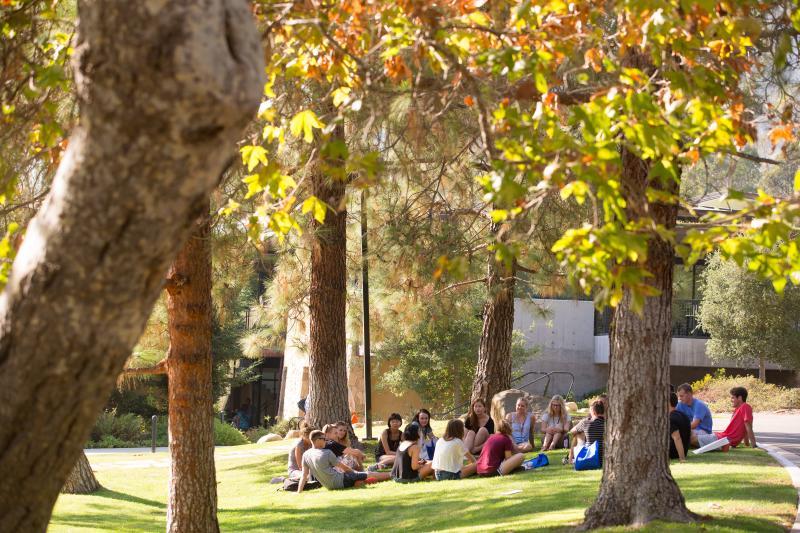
781,133
593,58
396,68
469,101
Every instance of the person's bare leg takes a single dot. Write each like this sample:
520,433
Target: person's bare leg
425,470
557,440
469,439
380,476
511,464
693,440
469,470
548,437
480,439
525,447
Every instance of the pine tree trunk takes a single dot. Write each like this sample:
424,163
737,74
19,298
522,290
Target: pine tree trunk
493,372
327,397
192,482
637,486
762,370
164,89
81,480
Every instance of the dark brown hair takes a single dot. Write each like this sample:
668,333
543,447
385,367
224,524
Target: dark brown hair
454,430
741,392
472,417
316,434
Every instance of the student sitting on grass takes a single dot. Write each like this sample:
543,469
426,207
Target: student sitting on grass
296,453
386,451
680,431
408,467
555,424
448,459
340,449
354,458
332,474
740,428
427,440
521,422
698,412
596,429
479,426
499,454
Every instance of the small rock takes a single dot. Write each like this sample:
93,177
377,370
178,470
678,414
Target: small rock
271,437
292,434
572,407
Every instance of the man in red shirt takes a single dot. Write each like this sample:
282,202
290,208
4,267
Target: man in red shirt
740,428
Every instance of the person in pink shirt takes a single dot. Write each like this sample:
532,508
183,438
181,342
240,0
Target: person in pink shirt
740,428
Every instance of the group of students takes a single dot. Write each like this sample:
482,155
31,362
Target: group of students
691,424
480,447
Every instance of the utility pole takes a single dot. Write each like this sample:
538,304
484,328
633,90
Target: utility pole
365,318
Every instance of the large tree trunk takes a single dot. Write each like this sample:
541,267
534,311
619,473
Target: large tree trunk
637,486
192,481
493,372
81,480
327,397
164,89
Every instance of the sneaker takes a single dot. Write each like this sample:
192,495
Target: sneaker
565,460
373,468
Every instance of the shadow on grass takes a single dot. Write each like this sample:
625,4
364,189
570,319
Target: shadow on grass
115,495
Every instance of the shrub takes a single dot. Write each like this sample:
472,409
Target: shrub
126,427
227,435
282,427
715,391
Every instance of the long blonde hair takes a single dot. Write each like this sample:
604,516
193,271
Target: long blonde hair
563,411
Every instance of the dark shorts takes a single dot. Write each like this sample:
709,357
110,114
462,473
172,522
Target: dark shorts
444,475
350,478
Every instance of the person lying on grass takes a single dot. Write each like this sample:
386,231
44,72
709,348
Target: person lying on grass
296,453
341,450
740,428
408,467
479,426
386,451
521,422
448,459
332,474
499,454
555,424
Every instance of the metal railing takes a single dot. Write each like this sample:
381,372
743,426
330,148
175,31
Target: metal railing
684,320
543,376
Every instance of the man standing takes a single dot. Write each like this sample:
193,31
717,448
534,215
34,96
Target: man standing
740,428
696,410
680,430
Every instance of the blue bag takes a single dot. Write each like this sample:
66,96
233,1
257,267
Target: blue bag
589,457
536,462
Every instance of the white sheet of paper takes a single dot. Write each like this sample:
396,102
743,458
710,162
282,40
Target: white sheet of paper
510,492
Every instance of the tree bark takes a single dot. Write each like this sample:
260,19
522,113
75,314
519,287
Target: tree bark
192,482
81,480
637,486
165,89
493,373
327,373
762,370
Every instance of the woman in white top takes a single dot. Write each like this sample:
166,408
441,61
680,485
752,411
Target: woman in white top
555,424
448,459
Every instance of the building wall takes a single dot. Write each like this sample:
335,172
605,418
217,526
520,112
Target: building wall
563,331
295,360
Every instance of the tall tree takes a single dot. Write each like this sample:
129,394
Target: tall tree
747,321
192,482
91,264
81,479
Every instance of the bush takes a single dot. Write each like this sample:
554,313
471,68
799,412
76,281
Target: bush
126,427
282,427
227,435
715,391
253,434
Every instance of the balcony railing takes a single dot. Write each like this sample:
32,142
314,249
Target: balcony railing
684,320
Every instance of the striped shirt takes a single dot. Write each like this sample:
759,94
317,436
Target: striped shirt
595,431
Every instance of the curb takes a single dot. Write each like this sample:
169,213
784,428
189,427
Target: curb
785,459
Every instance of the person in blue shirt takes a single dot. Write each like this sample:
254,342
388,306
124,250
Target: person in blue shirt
697,411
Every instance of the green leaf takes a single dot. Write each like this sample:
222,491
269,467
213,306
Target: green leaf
304,122
314,204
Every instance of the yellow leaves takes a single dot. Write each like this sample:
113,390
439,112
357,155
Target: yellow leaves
304,123
781,133
253,155
396,68
340,95
316,207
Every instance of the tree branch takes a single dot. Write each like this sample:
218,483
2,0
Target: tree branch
751,157
158,368
523,268
460,284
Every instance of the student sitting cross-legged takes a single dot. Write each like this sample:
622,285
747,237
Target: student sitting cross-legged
555,424
499,454
386,450
296,453
521,423
478,426
448,459
408,467
328,470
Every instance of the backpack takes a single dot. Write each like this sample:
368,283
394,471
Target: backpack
589,457
537,462
291,485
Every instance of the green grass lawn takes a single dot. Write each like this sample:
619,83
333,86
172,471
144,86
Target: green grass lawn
744,490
